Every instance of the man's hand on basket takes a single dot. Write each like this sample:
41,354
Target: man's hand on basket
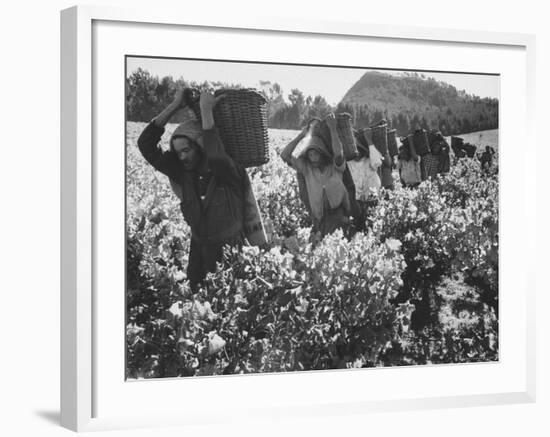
177,103
207,103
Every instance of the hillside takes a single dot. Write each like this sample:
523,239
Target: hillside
405,101
412,99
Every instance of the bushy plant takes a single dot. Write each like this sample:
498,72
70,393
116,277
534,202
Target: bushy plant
419,286
273,311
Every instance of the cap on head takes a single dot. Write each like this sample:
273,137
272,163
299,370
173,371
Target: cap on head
189,128
315,142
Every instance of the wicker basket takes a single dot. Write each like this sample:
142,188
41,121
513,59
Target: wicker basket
380,137
241,119
345,133
392,142
360,138
420,138
470,149
456,142
322,130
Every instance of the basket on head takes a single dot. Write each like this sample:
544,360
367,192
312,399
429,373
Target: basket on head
456,142
421,144
392,142
345,133
321,129
470,149
241,120
380,136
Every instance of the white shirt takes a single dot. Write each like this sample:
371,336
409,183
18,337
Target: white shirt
365,176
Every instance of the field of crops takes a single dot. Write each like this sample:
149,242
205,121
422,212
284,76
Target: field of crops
419,287
481,139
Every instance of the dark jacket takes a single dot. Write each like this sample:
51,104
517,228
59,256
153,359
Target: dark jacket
218,216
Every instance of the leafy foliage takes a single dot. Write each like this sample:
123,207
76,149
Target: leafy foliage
419,286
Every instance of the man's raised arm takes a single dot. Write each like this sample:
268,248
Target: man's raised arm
148,142
286,153
221,164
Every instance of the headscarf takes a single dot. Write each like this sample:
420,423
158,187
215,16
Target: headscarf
190,129
336,192
315,142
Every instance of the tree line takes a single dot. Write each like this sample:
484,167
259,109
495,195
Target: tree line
413,100
444,108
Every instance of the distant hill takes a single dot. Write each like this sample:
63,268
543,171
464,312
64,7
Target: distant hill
406,101
411,100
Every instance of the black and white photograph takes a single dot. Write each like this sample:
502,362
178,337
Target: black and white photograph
287,217
275,219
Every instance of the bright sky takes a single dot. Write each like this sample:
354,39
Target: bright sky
330,82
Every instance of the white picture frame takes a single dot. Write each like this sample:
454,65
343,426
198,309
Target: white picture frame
81,364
